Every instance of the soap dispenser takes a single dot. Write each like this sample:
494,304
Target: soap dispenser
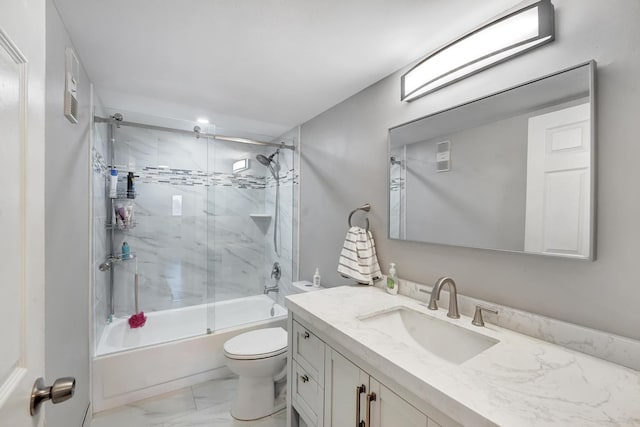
392,280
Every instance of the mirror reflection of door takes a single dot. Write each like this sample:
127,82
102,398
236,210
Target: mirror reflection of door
558,183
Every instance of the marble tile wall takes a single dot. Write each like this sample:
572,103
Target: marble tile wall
215,250
286,235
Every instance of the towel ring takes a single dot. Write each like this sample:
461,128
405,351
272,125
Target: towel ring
366,207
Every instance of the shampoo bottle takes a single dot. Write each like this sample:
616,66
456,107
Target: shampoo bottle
316,278
131,186
392,280
113,184
126,251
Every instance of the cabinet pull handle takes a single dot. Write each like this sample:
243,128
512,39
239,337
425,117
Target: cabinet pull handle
359,390
304,378
371,397
305,335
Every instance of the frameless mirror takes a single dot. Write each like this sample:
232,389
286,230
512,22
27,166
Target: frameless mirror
513,171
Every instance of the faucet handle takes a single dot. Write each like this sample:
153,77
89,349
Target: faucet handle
477,317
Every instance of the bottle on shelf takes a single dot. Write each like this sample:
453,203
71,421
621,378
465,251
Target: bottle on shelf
131,186
126,251
316,278
113,184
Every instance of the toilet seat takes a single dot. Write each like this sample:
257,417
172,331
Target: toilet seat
258,344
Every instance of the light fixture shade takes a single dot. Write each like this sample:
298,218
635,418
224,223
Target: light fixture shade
497,41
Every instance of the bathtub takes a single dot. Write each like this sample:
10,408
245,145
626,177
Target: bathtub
173,349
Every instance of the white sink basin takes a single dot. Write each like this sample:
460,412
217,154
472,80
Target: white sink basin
440,338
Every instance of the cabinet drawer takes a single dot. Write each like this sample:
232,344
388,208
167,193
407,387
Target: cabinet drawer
308,351
308,396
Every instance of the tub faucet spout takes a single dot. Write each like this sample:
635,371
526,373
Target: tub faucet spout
268,289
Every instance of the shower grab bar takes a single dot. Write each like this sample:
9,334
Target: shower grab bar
366,207
195,132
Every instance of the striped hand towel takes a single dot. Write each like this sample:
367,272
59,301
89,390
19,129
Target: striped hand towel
358,258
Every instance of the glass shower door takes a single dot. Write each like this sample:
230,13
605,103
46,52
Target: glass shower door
210,247
249,229
165,231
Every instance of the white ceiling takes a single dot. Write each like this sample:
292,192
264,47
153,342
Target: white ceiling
275,62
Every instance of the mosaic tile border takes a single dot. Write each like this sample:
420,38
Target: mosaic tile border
397,184
188,177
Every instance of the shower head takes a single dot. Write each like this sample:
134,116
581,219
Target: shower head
273,165
264,160
268,160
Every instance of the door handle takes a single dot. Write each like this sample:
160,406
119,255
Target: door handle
359,390
371,397
61,390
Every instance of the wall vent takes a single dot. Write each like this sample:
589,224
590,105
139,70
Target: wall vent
72,73
443,156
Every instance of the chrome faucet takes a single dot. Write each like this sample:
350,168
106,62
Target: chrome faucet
453,296
268,289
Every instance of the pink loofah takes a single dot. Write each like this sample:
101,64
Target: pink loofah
137,320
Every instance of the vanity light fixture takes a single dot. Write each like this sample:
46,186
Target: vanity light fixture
203,121
501,39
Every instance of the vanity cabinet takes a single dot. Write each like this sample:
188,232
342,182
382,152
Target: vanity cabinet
346,387
329,390
351,395
306,361
389,410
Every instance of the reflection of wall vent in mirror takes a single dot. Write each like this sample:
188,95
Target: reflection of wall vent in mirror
71,85
443,156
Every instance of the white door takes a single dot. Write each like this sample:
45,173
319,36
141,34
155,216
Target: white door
346,386
22,219
558,212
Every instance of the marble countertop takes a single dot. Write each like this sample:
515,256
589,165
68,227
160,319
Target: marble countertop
520,381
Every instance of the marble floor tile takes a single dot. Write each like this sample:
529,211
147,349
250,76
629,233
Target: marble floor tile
124,416
212,393
207,404
167,406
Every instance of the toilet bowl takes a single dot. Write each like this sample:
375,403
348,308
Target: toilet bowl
259,358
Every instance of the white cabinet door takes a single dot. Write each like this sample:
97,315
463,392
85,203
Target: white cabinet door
345,389
21,212
389,410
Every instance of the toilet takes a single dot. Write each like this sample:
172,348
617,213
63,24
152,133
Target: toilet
259,358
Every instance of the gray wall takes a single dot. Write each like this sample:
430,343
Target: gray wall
344,161
480,201
66,232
